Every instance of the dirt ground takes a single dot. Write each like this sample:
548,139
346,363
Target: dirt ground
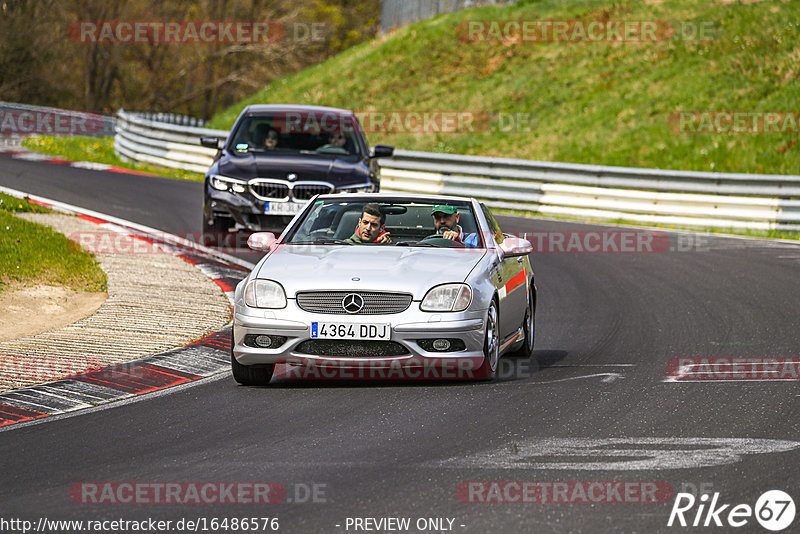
33,310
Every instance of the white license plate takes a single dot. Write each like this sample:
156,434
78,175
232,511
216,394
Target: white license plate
282,208
350,331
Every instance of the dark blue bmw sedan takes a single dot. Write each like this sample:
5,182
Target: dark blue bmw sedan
277,157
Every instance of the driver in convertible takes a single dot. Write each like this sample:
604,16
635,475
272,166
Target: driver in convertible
371,226
445,218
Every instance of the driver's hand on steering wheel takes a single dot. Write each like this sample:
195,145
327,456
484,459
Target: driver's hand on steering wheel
451,235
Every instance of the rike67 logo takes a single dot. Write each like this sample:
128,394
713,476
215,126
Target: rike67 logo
774,510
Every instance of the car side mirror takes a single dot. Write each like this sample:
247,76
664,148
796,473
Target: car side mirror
515,246
261,241
210,142
382,151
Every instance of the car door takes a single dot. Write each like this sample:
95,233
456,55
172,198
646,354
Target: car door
511,281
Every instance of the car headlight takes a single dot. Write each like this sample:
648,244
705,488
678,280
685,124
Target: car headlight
223,183
264,294
447,298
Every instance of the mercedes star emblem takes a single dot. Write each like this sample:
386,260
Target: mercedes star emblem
352,303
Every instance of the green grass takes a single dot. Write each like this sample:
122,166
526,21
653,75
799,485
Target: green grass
34,254
98,150
597,103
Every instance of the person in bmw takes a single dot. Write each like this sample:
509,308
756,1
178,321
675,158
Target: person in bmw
271,141
371,226
445,218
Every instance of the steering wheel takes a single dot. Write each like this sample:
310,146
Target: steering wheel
438,240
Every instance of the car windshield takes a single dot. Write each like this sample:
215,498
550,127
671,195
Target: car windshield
316,134
409,223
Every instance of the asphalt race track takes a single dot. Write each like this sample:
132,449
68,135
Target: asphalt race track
594,424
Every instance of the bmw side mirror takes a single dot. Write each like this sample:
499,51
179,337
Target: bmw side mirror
261,241
382,151
210,142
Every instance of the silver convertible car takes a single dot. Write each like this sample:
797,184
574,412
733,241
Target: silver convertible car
385,286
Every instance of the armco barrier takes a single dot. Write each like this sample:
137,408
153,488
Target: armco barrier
165,144
655,196
22,120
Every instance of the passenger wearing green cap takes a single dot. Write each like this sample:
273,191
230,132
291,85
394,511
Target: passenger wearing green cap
445,218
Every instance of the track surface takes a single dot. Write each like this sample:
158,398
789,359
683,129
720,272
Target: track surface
607,326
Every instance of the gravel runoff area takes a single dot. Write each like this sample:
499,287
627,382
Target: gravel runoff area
156,302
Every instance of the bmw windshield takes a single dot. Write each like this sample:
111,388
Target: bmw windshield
293,132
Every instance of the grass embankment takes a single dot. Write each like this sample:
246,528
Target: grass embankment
32,253
606,103
98,150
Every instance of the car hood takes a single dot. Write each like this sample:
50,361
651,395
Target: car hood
306,168
367,267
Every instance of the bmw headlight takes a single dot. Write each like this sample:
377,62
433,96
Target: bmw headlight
447,298
264,294
224,183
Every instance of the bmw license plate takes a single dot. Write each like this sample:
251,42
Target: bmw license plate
282,208
350,331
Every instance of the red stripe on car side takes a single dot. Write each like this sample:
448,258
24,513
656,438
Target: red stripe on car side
516,281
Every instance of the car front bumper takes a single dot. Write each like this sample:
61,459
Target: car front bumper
408,330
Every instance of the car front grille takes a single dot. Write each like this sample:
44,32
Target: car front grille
269,190
306,191
339,348
375,302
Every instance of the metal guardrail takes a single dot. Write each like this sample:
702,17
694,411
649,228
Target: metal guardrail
395,13
22,120
169,145
655,196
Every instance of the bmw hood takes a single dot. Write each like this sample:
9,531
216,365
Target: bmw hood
367,267
305,168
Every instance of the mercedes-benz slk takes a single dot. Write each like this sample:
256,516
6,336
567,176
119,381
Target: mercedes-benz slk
421,296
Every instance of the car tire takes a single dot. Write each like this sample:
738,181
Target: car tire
250,375
529,331
491,345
